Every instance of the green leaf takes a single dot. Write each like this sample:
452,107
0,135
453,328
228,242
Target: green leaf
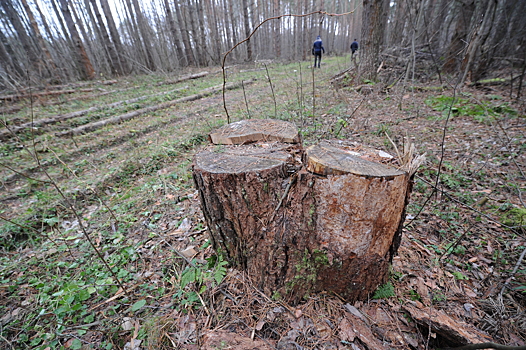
90,318
138,305
459,275
188,276
83,295
384,291
76,344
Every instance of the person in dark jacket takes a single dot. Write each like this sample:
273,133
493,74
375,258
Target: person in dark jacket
317,48
354,47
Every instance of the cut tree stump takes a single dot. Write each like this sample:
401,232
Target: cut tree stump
328,218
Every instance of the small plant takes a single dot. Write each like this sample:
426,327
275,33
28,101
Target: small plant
481,111
197,278
382,129
413,295
459,276
438,296
384,291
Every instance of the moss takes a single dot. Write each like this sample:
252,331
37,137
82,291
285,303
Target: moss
515,217
312,212
308,269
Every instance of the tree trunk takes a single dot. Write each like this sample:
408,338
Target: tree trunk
12,66
50,64
199,11
144,29
247,30
228,30
174,33
327,218
479,52
108,45
115,37
22,35
84,64
189,56
464,12
374,21
235,36
216,39
87,39
277,29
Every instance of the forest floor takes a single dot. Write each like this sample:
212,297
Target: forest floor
121,197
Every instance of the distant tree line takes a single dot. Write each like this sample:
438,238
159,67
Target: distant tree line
57,41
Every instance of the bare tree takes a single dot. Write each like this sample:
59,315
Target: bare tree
189,55
374,22
146,40
115,37
246,22
174,31
23,37
85,68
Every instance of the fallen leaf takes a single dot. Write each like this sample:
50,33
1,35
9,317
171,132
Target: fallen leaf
298,313
354,311
470,293
260,324
346,330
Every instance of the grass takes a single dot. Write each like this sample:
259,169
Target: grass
131,185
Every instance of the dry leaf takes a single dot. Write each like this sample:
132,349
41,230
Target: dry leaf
346,331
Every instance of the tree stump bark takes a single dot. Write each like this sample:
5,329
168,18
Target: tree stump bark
327,218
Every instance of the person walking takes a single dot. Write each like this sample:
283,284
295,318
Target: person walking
354,47
317,48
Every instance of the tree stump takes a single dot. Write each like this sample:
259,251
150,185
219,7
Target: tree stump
327,218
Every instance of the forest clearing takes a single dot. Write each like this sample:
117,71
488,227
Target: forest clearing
242,174
458,277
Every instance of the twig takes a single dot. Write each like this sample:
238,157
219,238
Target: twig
273,94
291,182
301,96
350,116
517,265
33,154
314,97
452,247
442,153
245,96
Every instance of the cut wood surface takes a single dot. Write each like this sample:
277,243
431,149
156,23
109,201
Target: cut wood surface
120,118
334,159
184,78
298,232
7,133
252,130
